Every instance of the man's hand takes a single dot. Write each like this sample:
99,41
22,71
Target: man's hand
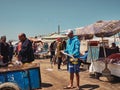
62,51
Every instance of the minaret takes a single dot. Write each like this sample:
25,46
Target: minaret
58,29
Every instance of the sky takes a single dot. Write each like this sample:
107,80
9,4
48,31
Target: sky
42,17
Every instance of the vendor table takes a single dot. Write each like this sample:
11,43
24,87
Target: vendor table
98,66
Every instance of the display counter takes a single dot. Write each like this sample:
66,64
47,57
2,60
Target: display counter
99,66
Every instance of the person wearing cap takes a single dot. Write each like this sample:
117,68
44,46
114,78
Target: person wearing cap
52,49
26,54
73,49
59,54
4,51
11,51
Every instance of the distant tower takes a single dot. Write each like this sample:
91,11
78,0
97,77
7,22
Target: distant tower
58,29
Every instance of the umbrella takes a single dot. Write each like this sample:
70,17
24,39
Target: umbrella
90,30
82,32
109,29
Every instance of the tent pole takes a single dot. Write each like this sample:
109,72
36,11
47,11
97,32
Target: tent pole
106,71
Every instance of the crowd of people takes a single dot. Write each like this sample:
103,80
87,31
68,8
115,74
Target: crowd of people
25,53
24,50
60,50
55,52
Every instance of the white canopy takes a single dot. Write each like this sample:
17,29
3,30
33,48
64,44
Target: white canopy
55,36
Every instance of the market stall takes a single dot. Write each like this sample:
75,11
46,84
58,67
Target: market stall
101,29
113,61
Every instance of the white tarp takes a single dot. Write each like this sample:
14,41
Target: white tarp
98,66
55,36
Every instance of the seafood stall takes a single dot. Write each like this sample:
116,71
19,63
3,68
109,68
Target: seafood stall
96,57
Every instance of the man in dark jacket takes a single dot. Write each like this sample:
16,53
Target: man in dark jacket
26,54
4,51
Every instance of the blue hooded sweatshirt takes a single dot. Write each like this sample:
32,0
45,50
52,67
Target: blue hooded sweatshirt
73,47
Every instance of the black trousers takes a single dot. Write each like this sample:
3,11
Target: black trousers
59,62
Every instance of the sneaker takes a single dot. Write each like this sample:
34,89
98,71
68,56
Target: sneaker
78,88
68,87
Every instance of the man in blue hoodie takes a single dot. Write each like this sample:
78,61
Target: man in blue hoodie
73,49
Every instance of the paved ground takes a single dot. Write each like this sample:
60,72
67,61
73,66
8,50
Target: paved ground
52,79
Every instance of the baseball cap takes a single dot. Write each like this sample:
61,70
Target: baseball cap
69,31
58,39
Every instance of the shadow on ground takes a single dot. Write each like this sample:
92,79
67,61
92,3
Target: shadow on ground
82,69
89,86
46,85
116,80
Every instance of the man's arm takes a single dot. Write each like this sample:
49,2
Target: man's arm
77,48
1,57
